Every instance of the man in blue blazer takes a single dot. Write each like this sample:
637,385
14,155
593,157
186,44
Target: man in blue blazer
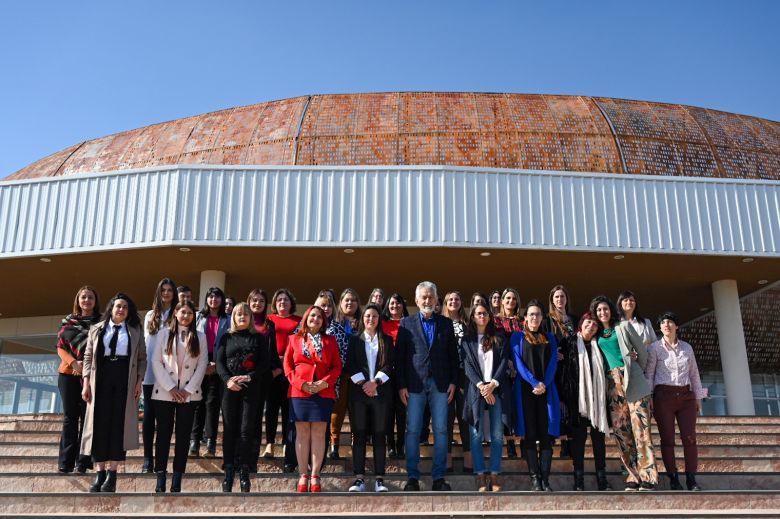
426,370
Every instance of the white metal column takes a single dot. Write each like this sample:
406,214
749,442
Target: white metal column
209,279
733,353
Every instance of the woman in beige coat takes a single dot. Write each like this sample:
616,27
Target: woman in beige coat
114,366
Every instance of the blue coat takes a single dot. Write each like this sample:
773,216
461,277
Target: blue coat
517,343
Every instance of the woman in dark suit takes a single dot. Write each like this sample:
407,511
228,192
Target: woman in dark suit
114,366
369,368
488,388
312,365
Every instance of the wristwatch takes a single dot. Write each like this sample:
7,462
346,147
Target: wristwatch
378,381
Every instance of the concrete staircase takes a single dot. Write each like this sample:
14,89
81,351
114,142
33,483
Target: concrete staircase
739,468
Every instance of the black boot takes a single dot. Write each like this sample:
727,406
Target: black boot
211,447
690,482
545,462
100,478
110,484
565,452
334,452
511,450
160,481
246,483
601,480
227,483
579,480
176,482
194,451
147,467
532,460
674,481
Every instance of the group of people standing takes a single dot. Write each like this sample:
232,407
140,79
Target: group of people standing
503,371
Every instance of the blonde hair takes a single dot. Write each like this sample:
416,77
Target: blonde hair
245,307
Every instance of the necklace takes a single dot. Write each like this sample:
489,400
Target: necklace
607,333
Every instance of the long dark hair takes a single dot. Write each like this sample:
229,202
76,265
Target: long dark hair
613,317
254,294
489,339
399,299
382,354
192,342
132,310
155,322
205,310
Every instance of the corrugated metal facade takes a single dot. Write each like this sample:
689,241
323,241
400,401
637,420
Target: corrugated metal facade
380,206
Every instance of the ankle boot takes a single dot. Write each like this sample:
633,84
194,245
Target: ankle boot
243,475
147,466
481,482
227,483
176,482
160,481
690,482
579,480
601,480
545,462
110,484
674,481
100,478
532,460
495,483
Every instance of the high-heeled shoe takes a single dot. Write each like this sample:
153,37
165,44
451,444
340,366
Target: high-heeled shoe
315,484
303,487
246,483
227,483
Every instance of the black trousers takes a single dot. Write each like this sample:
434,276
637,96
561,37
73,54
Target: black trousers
577,445
367,413
396,422
206,422
108,430
536,420
167,414
74,409
456,411
239,416
149,423
276,402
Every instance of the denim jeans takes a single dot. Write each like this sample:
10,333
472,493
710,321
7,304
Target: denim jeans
496,441
414,413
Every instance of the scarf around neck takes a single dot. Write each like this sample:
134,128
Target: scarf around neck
73,334
592,385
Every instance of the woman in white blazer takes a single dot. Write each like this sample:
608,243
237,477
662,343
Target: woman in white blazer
179,364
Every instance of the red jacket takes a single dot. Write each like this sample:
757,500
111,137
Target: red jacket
299,368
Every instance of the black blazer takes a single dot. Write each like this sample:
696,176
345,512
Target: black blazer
416,362
357,362
473,403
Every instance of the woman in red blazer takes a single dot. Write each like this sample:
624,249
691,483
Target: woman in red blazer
312,365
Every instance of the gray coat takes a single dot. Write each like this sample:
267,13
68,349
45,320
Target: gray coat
135,375
634,382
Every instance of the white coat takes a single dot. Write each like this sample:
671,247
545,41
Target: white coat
166,369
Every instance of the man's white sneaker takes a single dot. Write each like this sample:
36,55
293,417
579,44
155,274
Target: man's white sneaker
379,486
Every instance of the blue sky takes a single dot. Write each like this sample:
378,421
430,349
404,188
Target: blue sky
73,71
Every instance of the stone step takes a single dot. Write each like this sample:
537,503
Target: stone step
48,465
429,504
705,451
702,438
340,482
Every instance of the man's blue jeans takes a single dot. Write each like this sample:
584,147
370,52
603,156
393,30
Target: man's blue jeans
496,441
414,413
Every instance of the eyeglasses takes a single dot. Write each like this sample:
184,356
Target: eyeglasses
480,314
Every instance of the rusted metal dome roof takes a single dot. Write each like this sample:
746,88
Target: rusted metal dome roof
542,132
